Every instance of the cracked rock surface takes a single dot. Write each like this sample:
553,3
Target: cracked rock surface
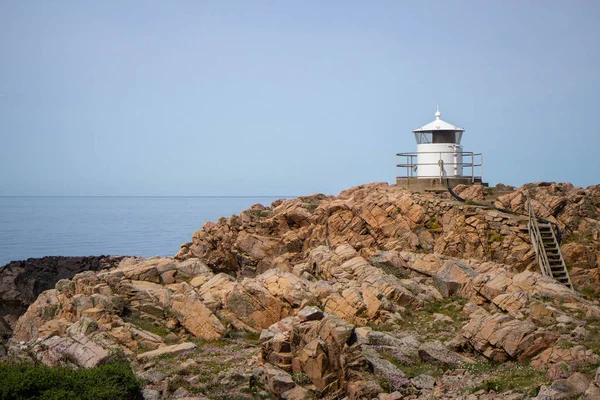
375,293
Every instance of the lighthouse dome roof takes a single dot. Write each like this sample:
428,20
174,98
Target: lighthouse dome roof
438,125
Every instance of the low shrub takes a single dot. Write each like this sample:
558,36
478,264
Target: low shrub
29,381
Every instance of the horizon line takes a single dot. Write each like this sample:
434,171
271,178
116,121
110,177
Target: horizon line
165,196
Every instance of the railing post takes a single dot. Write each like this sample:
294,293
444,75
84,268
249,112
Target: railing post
473,167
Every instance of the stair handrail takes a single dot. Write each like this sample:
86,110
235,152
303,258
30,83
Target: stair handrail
536,240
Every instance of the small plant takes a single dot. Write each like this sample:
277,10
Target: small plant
433,225
495,237
300,378
392,383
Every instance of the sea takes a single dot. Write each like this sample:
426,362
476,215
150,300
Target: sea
130,226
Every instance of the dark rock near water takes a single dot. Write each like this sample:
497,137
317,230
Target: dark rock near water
21,282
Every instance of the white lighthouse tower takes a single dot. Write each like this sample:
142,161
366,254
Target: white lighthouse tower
439,162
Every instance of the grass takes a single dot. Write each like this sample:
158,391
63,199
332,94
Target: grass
146,325
212,359
590,292
578,238
29,381
451,306
481,366
423,321
421,369
592,340
519,377
249,337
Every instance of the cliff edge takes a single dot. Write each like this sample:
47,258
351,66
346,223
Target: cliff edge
375,293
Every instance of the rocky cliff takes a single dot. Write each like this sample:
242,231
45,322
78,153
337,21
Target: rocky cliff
21,282
375,293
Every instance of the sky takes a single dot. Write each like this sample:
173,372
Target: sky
286,97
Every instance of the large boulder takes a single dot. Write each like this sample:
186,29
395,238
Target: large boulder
437,353
80,350
454,279
500,337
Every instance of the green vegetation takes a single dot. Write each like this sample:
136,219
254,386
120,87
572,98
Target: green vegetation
208,363
433,225
424,321
592,340
590,292
450,306
519,377
30,381
495,237
249,337
300,378
578,238
420,369
312,202
481,366
146,325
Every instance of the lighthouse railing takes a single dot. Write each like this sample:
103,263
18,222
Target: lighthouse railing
471,164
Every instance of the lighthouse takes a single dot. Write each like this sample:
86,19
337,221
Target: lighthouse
440,161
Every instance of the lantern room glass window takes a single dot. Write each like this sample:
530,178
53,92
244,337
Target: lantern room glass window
438,137
423,137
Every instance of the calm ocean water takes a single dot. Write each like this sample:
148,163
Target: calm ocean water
81,226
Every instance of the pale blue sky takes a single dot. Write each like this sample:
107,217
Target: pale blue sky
289,97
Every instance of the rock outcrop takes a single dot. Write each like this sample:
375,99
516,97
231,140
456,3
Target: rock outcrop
21,282
375,293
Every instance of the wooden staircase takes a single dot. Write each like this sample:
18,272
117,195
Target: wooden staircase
547,249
